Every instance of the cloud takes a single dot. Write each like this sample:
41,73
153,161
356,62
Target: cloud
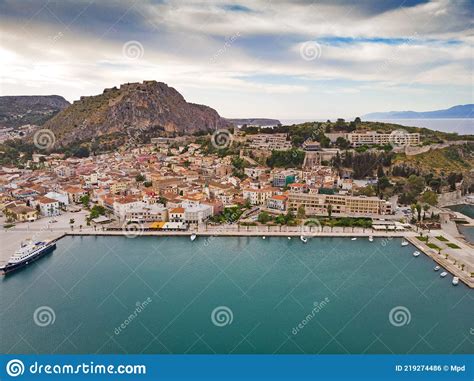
245,47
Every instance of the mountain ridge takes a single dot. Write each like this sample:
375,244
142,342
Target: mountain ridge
19,110
458,111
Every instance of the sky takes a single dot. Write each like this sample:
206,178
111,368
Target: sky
286,59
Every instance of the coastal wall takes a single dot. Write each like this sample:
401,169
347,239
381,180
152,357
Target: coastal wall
449,198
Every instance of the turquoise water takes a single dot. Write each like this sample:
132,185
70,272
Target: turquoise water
340,292
467,210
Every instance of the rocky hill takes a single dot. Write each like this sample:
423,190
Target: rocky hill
16,111
134,109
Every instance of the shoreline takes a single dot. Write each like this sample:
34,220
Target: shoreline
410,236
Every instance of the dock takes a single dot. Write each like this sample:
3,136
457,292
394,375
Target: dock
447,263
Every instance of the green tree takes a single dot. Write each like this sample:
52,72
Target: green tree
264,217
329,208
430,198
301,213
139,178
85,200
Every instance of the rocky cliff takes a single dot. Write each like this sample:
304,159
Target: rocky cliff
16,111
136,109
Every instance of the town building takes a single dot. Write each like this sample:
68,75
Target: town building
318,204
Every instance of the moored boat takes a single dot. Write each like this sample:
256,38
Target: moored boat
303,239
27,253
455,281
405,243
443,274
193,236
371,239
416,253
354,239
436,268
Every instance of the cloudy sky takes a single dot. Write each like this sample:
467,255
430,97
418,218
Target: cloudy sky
251,58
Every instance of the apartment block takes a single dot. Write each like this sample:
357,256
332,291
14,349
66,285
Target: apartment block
317,204
270,142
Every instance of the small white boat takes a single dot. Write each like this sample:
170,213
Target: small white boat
416,253
436,268
371,239
353,239
193,237
443,274
455,281
303,239
405,243
264,237
289,238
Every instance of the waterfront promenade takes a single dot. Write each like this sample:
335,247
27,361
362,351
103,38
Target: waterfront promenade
450,259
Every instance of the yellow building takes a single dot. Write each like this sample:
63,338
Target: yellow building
317,204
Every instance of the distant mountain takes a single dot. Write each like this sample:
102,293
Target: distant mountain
254,122
137,110
460,111
16,111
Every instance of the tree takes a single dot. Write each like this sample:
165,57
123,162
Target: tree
301,213
264,217
430,198
139,178
329,208
342,143
85,200
418,210
380,172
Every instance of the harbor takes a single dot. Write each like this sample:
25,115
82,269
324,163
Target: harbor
93,284
450,259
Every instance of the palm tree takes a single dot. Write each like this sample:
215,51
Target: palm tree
418,211
329,207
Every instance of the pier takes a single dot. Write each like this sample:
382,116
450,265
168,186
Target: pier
449,259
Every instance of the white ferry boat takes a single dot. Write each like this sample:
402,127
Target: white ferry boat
26,254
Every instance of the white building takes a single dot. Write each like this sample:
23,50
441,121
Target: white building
48,207
196,213
62,198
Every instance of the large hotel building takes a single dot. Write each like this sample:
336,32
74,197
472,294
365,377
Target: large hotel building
270,142
317,204
358,139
